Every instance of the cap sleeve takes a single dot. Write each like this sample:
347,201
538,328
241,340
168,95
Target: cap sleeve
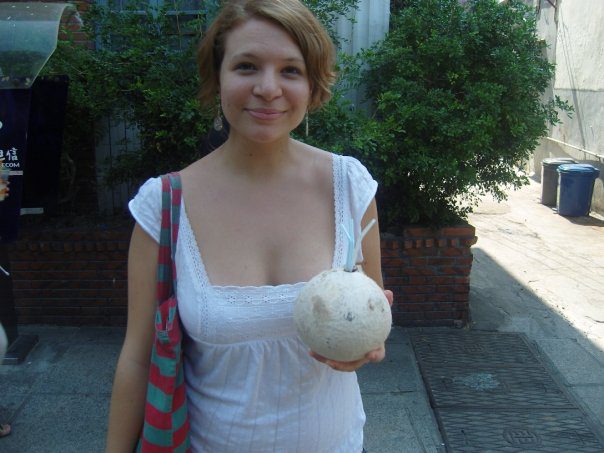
361,188
145,207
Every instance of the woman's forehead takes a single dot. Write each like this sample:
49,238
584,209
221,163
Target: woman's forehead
258,37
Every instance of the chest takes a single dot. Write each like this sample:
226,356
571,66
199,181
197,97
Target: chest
265,237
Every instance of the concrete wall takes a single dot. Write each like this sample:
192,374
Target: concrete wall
364,26
575,37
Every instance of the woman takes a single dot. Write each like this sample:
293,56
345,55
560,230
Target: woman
5,428
261,215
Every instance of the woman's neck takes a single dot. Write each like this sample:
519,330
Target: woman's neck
257,159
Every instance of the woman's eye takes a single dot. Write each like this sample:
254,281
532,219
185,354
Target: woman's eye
244,67
292,70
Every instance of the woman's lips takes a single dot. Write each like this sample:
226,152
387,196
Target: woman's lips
265,114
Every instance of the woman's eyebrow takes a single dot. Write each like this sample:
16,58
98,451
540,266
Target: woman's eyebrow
250,55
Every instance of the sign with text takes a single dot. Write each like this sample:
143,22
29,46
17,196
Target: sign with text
14,120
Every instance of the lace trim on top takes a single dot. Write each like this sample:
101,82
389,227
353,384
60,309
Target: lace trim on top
338,195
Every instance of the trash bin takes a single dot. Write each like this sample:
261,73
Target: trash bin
575,189
549,178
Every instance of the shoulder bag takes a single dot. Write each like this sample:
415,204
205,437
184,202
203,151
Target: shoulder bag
166,424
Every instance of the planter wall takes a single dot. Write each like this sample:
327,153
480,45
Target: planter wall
429,272
70,277
78,276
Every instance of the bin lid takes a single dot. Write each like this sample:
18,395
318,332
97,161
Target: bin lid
579,169
28,37
555,161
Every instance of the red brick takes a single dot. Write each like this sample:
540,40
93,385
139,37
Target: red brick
438,297
419,262
386,253
451,251
443,261
469,242
394,281
419,280
455,270
405,298
462,231
439,315
418,232
395,262
466,261
418,289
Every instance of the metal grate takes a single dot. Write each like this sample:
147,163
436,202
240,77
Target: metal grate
490,392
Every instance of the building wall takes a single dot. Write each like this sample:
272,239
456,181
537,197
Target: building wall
364,27
575,37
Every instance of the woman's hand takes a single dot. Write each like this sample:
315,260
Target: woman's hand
376,355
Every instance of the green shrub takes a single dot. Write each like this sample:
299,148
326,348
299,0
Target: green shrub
143,70
458,108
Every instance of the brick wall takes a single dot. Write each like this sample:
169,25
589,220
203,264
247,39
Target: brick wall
429,273
70,277
78,276
74,26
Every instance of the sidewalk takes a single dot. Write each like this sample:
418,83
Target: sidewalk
534,272
542,274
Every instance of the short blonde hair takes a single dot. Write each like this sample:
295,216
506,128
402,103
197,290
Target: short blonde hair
296,19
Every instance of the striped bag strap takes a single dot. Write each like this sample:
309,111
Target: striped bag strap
170,217
166,423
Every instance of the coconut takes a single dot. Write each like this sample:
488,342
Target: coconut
342,315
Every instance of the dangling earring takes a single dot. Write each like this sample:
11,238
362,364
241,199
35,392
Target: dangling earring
306,123
218,125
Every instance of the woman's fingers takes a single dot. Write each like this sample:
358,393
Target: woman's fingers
390,296
377,355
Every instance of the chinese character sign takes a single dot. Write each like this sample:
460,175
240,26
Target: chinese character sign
14,121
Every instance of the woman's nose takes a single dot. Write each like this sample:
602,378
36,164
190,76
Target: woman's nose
267,86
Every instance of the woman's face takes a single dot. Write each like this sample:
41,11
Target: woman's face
264,87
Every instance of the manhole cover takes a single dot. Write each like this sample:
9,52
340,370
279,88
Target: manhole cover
480,386
491,393
484,348
517,431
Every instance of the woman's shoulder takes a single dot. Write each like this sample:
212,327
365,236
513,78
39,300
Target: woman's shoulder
328,156
200,170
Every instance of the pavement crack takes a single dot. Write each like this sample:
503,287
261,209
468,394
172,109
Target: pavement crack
595,320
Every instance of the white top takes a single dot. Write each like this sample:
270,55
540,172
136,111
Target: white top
251,384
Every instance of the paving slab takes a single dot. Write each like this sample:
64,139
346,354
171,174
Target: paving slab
399,423
84,369
396,373
49,423
572,361
399,418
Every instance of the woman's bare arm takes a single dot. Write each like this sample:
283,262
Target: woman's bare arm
130,383
372,255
